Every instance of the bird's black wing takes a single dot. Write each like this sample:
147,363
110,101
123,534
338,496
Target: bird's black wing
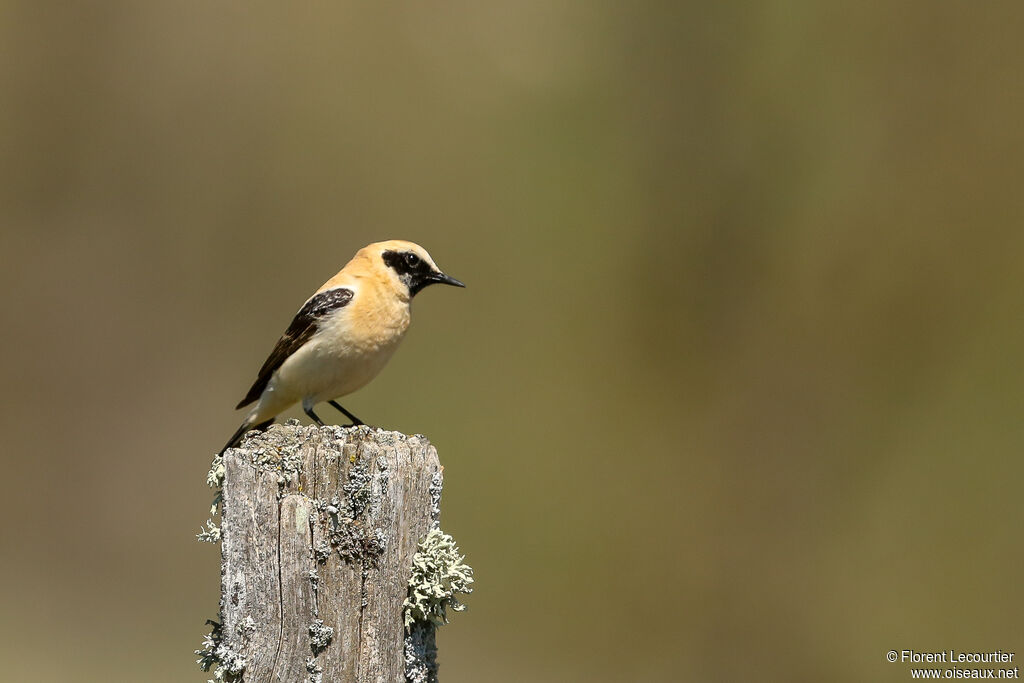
298,333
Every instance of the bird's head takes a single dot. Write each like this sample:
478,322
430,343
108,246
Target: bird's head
408,265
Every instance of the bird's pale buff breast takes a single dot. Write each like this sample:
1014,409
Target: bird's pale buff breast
349,349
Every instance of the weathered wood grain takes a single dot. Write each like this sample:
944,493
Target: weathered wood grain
319,527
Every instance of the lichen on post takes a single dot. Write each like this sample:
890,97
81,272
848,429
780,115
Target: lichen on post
439,575
319,533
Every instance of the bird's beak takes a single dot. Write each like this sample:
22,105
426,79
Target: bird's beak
443,279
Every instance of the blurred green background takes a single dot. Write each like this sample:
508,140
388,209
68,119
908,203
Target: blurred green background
734,392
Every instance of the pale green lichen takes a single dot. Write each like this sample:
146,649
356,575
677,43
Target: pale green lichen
320,636
436,485
345,531
207,653
228,664
439,576
358,493
215,477
209,533
276,452
315,671
215,480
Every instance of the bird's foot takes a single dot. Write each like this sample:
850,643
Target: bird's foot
314,416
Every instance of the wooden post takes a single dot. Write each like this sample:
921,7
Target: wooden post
319,527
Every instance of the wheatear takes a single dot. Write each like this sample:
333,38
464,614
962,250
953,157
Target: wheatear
343,335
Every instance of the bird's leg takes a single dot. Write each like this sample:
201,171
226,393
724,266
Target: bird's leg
355,420
309,411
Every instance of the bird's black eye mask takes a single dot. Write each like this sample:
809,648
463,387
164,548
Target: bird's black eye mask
415,272
412,270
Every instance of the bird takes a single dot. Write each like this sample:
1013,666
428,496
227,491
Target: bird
343,335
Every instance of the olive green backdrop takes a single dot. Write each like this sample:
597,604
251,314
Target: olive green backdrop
734,392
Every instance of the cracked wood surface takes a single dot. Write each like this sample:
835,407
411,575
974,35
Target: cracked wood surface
322,524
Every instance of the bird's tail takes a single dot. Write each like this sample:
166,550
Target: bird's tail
246,427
